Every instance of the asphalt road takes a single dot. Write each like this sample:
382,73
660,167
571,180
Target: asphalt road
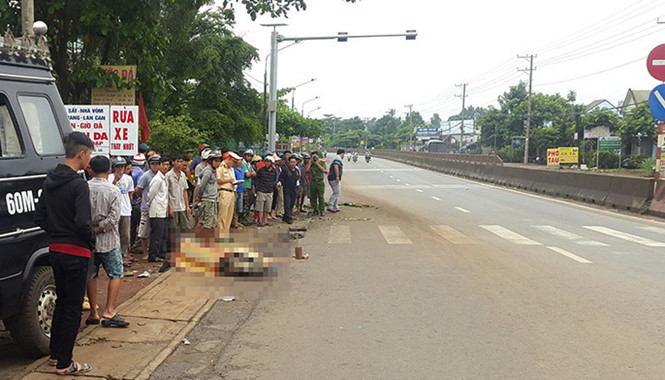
447,278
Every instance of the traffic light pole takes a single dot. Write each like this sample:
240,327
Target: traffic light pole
275,39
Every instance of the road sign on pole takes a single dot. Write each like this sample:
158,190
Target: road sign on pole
657,102
656,62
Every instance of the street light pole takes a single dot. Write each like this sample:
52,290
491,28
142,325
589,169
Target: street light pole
302,109
293,93
275,39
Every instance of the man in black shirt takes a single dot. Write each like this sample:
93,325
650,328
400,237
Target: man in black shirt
264,184
289,179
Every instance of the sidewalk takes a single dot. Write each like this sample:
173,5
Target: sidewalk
159,318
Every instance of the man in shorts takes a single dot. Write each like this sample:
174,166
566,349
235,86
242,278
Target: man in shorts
143,191
265,185
105,210
207,195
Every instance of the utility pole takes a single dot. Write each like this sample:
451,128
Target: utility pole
528,117
413,142
27,17
461,129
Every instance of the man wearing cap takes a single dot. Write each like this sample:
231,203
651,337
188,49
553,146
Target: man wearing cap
317,187
206,194
143,191
226,181
247,194
126,186
158,204
335,180
264,185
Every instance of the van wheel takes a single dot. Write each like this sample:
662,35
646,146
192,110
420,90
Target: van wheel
31,327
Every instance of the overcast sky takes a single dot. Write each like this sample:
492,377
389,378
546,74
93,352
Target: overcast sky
596,48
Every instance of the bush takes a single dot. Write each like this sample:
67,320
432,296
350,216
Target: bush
633,161
511,154
648,167
606,159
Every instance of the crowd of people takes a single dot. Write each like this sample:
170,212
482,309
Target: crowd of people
142,203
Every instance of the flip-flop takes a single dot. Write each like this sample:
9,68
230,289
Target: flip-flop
116,321
53,362
91,321
75,369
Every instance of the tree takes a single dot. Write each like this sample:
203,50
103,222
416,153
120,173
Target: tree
174,134
602,118
638,121
435,121
275,8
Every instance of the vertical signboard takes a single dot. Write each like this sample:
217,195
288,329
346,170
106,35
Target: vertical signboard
124,130
94,122
112,95
553,157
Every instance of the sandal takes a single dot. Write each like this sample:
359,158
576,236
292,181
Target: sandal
92,321
116,321
52,362
74,369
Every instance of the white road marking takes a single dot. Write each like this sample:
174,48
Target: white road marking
660,98
392,177
625,236
340,234
658,230
509,235
399,180
436,198
563,234
570,255
419,190
452,235
407,184
394,235
462,210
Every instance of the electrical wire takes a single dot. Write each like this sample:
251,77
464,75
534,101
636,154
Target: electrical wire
590,74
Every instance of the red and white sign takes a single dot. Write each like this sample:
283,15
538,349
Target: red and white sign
656,62
124,130
94,122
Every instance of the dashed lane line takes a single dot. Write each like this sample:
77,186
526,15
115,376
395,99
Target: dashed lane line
340,234
625,236
462,210
436,198
563,234
509,235
570,255
452,235
394,235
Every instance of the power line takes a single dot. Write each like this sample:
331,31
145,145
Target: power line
592,74
528,117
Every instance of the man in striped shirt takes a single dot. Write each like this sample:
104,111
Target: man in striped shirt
105,209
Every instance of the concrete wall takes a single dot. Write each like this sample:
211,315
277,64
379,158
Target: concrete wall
621,192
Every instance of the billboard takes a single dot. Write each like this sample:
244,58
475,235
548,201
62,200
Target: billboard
116,96
94,122
569,155
428,133
124,135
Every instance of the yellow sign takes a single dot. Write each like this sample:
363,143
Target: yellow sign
116,96
569,155
553,157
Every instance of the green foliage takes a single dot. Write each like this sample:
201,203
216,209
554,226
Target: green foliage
435,121
633,161
510,153
648,167
274,8
175,134
606,159
638,121
602,118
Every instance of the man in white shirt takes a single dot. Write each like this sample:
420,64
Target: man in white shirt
158,204
126,185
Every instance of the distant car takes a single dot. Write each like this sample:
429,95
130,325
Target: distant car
33,123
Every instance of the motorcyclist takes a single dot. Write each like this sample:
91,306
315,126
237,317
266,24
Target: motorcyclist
368,156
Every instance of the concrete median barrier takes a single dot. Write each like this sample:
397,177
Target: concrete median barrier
620,192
